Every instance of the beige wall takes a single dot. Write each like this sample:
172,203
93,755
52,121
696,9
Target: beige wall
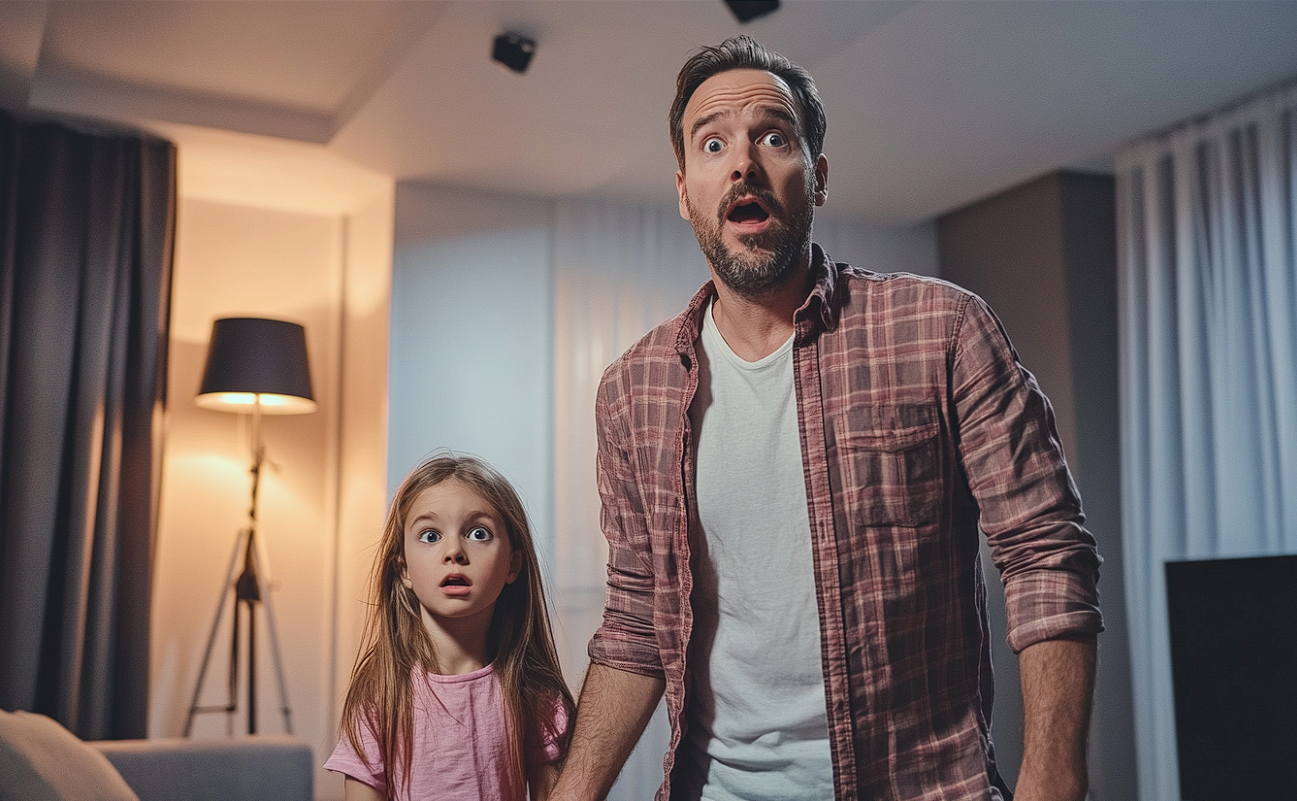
274,230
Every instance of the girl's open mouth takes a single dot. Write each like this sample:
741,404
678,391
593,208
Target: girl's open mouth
456,584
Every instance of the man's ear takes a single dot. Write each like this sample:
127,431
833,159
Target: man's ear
683,193
821,180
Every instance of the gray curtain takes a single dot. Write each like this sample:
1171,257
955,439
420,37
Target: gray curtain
86,221
1207,231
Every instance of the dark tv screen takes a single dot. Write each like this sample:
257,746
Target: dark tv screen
1233,625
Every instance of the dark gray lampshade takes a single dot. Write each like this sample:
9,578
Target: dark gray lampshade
254,361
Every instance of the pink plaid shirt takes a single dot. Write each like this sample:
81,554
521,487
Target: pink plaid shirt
917,424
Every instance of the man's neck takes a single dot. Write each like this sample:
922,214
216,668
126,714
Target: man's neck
755,327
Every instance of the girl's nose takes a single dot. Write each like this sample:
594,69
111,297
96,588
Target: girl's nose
455,556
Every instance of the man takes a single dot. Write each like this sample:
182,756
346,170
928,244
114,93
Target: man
793,473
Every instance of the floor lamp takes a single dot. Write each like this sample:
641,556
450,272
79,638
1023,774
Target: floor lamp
257,367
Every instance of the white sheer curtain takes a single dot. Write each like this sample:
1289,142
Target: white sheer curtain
1207,221
619,270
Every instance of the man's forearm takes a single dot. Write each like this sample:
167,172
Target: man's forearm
614,708
1057,692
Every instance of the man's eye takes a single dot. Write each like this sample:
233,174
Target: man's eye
774,139
712,145
479,534
429,535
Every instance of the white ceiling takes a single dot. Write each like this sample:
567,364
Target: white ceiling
931,104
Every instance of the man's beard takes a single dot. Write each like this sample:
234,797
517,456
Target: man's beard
752,273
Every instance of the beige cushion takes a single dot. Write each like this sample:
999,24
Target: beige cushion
42,761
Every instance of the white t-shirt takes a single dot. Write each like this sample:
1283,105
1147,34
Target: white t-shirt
757,727
461,746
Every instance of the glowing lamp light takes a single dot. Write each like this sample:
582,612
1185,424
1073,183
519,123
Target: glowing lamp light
284,404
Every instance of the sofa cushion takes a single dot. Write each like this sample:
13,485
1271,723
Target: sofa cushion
255,767
42,761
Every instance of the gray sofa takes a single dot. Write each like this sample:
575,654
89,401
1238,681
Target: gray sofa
42,761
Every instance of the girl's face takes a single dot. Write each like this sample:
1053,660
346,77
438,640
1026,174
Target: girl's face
457,555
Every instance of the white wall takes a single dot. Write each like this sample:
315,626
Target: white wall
472,340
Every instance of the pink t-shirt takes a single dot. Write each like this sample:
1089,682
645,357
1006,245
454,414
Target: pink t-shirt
461,748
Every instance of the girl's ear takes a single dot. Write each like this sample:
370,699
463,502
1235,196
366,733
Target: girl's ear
404,573
515,567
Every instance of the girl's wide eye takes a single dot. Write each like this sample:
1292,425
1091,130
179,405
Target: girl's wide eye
479,534
712,145
429,535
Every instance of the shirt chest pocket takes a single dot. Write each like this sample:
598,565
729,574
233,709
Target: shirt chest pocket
889,464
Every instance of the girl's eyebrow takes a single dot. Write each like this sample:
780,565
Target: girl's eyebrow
474,516
430,517
490,517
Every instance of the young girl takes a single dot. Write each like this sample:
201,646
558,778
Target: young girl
457,692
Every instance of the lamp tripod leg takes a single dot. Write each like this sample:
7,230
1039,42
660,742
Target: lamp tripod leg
250,588
226,587
263,560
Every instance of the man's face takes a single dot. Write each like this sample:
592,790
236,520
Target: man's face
748,186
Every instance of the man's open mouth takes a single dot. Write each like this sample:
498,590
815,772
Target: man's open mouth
751,211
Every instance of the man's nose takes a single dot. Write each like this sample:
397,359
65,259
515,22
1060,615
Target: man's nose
746,164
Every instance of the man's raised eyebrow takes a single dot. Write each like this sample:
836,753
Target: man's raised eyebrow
777,112
702,122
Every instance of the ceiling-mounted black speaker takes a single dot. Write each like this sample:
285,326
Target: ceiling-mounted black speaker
748,10
513,51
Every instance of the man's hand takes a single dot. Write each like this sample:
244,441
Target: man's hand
1057,691
615,707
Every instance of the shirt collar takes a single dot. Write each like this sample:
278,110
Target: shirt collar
821,308
818,313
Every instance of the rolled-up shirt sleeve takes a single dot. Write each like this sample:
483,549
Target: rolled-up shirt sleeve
1030,510
626,639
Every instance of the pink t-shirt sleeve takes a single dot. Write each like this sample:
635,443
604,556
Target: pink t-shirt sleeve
347,761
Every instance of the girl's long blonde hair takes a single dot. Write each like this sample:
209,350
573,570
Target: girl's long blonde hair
395,642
